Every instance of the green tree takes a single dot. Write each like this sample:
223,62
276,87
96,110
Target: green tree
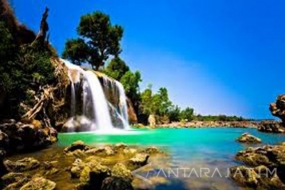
131,81
158,104
187,114
76,50
100,37
174,113
117,68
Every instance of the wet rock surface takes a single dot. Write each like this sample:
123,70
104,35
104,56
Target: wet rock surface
249,139
79,166
265,167
18,136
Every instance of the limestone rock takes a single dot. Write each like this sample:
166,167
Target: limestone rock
271,127
120,170
250,139
39,183
139,160
101,151
24,164
152,121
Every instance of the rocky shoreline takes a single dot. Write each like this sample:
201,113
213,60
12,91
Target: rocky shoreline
79,166
264,167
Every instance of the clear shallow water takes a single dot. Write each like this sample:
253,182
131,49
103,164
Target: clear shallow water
192,151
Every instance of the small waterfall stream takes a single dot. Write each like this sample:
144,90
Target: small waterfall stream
95,105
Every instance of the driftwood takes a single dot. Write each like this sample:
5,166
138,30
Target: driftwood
41,37
39,108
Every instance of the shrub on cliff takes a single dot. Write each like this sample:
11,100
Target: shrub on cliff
21,68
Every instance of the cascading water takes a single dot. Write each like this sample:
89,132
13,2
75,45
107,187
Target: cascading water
94,103
100,106
123,105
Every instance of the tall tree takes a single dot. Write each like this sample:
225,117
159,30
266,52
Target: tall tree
100,37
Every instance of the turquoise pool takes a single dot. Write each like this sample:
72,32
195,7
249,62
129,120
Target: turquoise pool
211,150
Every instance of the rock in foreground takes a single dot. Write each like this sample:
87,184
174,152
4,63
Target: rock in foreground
266,167
80,166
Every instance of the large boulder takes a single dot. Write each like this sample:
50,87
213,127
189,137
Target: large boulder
250,139
262,160
18,136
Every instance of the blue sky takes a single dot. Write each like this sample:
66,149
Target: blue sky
219,57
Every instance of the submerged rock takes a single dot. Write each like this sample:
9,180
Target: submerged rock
139,160
116,183
259,177
22,165
39,183
250,139
101,151
13,177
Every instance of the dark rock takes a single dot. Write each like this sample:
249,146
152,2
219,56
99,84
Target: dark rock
22,165
93,174
250,139
3,169
13,177
116,183
152,150
78,145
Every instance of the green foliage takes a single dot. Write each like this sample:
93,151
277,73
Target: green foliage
101,39
157,104
174,113
219,118
131,81
76,50
117,68
187,114
21,68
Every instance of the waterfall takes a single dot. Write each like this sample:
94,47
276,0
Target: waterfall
123,107
95,106
73,98
100,106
